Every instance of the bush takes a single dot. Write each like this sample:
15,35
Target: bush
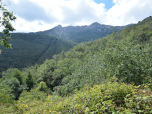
43,87
5,94
34,94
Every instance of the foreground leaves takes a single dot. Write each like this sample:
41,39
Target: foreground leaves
108,98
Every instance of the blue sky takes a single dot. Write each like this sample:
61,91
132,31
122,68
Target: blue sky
40,15
108,3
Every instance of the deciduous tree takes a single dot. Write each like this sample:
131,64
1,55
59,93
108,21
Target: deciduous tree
5,18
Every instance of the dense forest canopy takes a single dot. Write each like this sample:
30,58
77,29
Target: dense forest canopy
29,49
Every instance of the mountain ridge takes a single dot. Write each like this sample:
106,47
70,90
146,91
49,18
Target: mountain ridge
79,34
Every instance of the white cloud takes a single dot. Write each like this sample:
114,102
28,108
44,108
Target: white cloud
51,13
128,11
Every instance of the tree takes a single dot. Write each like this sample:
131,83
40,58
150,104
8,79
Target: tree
29,82
18,74
17,89
5,22
42,87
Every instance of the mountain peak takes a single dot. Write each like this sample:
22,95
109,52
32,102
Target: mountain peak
59,26
95,24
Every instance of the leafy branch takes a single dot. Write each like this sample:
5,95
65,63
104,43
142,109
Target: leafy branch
5,19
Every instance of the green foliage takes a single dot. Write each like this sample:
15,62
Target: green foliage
14,84
43,87
17,89
14,79
29,82
129,63
18,74
5,94
8,72
5,21
110,97
95,62
29,49
45,73
34,94
141,102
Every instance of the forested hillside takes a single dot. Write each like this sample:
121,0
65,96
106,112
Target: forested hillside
34,48
80,34
29,49
108,75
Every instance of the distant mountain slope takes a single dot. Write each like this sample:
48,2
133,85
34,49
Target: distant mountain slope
79,34
28,49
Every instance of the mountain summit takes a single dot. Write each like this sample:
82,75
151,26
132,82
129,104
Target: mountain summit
85,33
59,26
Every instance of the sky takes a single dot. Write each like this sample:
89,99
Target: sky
40,15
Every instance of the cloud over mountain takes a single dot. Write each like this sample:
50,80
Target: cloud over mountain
75,12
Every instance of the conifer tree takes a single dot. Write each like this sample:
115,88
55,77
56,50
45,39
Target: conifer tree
29,82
